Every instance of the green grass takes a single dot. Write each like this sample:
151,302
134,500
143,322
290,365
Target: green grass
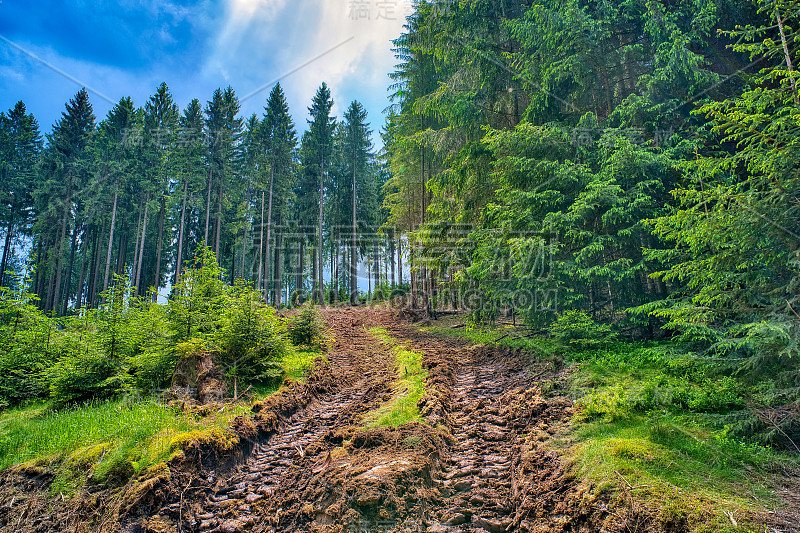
410,387
653,416
683,469
127,435
297,364
108,439
503,336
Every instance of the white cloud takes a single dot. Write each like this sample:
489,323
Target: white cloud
262,40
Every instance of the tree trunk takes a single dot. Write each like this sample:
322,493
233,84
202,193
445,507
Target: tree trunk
71,265
50,292
208,209
787,56
6,248
54,296
414,301
299,276
376,270
122,253
334,252
111,240
269,233
314,277
141,246
391,254
157,282
219,222
98,256
353,262
400,259
245,228
279,261
84,269
136,248
37,279
260,258
179,259
320,281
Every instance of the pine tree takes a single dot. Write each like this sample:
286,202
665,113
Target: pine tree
320,139
190,173
357,148
67,166
280,142
160,135
20,147
114,152
223,133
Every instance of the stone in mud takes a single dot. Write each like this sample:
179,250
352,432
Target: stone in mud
463,484
490,525
461,473
491,473
477,499
454,519
436,528
252,498
230,526
207,524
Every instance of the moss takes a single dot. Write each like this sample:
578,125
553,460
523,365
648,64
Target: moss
89,455
217,438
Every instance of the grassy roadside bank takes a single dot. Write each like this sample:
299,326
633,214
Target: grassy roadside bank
108,441
657,426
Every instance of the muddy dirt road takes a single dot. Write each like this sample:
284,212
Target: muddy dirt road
475,464
304,462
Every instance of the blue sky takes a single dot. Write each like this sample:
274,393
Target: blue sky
128,47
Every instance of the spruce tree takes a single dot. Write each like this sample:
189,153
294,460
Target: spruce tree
280,142
20,147
320,138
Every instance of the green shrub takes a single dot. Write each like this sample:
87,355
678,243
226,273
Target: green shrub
153,367
26,347
252,341
609,403
307,328
577,329
718,395
83,373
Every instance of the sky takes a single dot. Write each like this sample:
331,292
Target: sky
49,49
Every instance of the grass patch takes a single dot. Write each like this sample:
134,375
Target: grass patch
686,471
410,387
297,363
501,335
112,438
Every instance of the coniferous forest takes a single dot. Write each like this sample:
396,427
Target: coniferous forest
609,190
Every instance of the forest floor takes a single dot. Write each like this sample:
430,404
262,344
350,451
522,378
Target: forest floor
402,429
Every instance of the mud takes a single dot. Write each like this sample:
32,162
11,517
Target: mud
303,462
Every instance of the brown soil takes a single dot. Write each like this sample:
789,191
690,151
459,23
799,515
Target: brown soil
303,462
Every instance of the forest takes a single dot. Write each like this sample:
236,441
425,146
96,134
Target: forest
613,184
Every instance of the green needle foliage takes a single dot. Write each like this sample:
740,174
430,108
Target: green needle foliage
130,344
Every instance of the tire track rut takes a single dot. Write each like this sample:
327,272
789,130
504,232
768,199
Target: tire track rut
363,369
